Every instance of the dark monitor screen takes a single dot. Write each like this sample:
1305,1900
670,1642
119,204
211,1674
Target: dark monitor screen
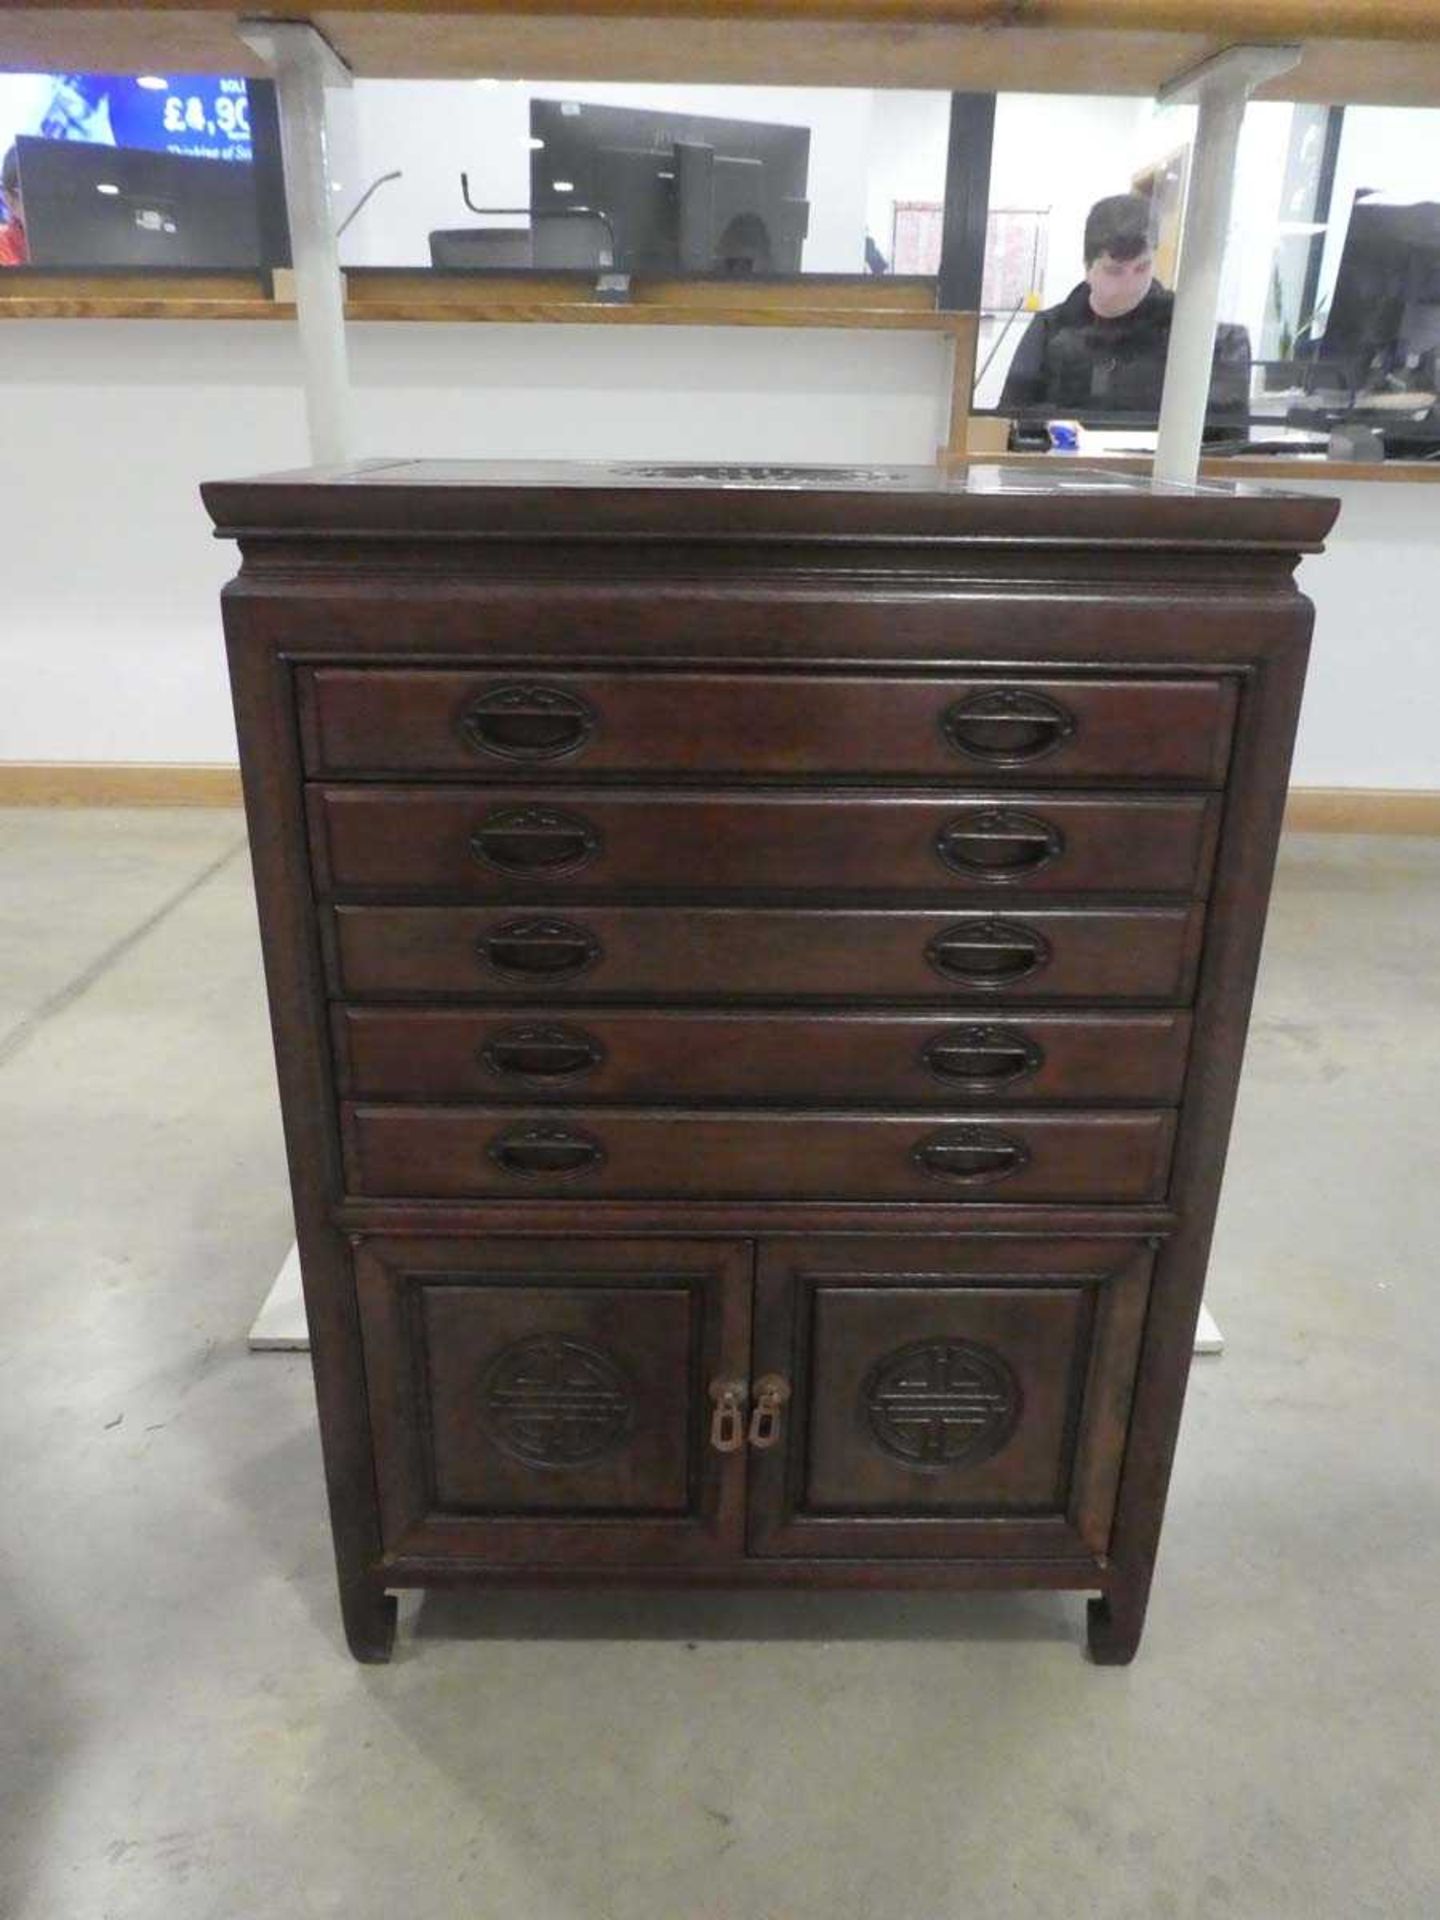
93,206
1384,316
678,192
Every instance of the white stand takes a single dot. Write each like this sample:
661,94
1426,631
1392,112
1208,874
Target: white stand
305,64
1221,85
280,1326
1208,1337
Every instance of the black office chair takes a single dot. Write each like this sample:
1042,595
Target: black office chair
564,238
481,247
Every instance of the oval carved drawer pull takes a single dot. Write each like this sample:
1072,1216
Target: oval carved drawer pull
539,949
534,840
540,1152
970,1155
998,843
988,953
1007,726
982,1058
541,1053
527,722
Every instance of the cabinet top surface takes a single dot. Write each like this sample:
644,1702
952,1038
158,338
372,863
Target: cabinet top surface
550,499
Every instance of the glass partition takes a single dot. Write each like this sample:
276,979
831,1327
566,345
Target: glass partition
1330,287
668,180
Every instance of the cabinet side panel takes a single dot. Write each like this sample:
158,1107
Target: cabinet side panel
263,692
1265,735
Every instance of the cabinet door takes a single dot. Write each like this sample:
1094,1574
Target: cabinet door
949,1398
535,1402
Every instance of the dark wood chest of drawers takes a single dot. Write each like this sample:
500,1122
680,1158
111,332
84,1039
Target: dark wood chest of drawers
759,969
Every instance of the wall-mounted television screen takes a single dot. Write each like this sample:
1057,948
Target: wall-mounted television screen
149,170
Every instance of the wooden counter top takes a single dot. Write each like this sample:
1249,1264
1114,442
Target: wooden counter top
814,300
1275,468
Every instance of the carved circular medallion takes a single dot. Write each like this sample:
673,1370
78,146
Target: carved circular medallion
552,1401
941,1403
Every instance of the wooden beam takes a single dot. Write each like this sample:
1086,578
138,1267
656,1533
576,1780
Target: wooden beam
962,386
1384,53
1415,20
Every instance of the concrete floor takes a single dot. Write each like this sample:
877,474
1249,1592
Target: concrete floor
183,1735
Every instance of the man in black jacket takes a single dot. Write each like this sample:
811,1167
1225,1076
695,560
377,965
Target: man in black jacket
1102,349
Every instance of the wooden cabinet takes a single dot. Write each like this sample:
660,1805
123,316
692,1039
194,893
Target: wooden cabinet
759,975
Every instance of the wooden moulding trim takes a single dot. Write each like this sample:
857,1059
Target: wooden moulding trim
116,784
130,784
1362,810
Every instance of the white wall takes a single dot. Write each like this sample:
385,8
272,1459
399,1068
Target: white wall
109,640
109,635
909,147
1373,691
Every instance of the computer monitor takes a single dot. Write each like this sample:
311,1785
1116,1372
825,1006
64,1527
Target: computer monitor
88,205
681,193
1384,318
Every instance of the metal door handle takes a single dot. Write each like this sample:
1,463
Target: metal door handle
727,1422
772,1391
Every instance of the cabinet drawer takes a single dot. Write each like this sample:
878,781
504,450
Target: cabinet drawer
496,845
568,951
456,1152
587,1052
963,727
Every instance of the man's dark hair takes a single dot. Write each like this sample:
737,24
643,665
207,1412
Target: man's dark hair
1120,226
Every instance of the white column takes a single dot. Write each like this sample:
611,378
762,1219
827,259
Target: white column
1221,86
304,64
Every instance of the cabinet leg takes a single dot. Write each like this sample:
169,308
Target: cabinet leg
369,1615
1114,1624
